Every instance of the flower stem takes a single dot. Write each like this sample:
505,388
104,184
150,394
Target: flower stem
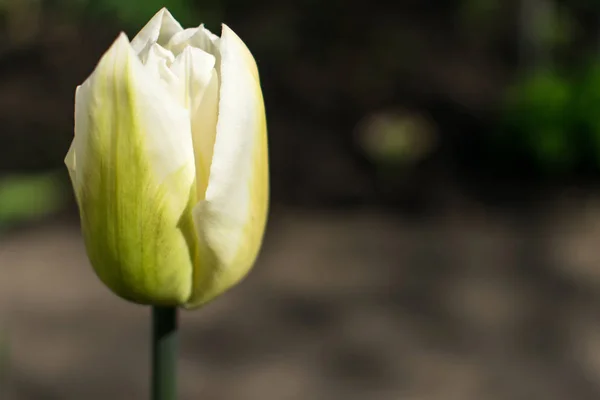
164,353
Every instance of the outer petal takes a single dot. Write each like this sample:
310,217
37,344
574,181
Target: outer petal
134,174
230,221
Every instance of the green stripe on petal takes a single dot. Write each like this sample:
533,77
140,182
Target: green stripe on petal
135,181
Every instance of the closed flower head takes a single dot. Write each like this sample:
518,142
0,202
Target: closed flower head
169,164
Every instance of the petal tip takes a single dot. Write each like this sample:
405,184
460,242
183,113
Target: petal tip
120,46
233,47
122,38
164,13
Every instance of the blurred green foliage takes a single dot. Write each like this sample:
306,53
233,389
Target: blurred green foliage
30,197
553,118
585,108
137,13
131,13
536,119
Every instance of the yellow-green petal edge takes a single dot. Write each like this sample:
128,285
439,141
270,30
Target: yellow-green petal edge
135,211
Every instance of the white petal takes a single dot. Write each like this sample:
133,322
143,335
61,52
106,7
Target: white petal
157,63
135,177
200,38
165,123
159,30
231,220
214,39
200,91
193,67
181,40
157,52
204,130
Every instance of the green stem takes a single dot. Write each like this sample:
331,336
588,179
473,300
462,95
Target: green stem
164,353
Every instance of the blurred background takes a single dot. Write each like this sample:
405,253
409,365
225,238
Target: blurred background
435,224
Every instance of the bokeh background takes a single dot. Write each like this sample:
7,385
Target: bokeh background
435,223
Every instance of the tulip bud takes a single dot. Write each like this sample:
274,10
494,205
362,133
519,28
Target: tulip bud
169,164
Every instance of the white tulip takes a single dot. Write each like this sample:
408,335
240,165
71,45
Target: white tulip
169,164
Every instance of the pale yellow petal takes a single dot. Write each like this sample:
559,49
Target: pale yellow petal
70,163
135,180
200,90
204,130
230,221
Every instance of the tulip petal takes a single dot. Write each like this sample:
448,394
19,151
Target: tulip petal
134,182
200,38
230,221
70,163
181,40
193,67
204,130
160,29
200,88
